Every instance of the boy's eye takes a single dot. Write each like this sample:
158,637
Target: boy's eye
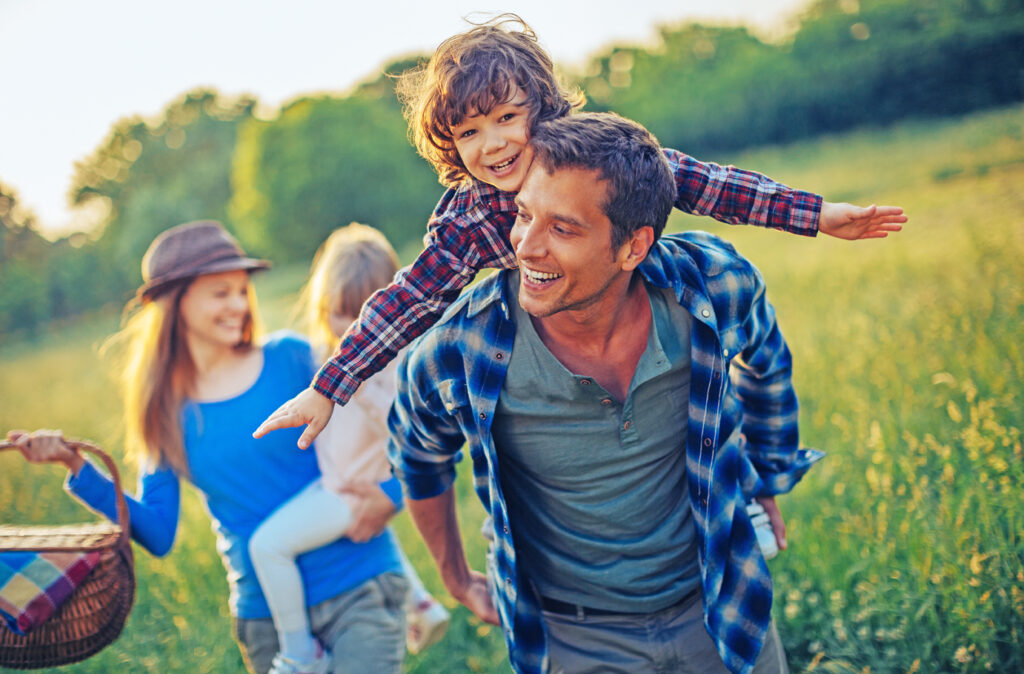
507,116
466,134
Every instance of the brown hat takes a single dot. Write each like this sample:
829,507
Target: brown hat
190,250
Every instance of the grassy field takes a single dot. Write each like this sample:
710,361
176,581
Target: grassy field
906,542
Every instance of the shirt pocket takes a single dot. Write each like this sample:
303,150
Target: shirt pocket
454,397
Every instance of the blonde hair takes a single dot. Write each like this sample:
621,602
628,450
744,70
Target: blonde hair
156,374
354,262
473,72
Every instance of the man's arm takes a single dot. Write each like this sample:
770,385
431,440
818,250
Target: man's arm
437,522
762,375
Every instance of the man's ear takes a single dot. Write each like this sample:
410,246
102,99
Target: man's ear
635,250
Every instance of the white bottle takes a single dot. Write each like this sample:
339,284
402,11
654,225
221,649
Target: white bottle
763,529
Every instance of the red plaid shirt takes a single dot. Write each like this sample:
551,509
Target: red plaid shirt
469,231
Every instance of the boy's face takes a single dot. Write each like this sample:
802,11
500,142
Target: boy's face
495,147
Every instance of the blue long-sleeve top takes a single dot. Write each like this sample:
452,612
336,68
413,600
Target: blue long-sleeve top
242,480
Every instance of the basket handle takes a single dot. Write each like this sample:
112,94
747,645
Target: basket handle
122,505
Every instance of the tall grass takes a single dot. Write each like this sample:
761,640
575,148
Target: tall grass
906,547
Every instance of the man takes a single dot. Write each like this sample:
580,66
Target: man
620,408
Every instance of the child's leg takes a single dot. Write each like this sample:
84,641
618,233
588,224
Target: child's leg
311,518
417,591
426,619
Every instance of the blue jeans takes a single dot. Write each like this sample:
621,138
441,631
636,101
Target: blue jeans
364,628
672,640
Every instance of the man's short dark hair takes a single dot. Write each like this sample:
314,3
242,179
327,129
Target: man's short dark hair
641,188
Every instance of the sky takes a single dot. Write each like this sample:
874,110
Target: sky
71,68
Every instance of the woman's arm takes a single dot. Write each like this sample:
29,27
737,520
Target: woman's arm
154,511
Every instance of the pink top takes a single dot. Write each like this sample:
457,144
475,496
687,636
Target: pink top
353,445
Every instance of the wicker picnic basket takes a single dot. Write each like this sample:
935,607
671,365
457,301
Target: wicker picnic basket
93,616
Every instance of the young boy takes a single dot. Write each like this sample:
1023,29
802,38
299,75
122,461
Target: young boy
470,110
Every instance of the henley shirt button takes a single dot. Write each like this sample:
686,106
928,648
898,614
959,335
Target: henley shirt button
705,313
483,416
626,426
606,401
499,355
726,353
505,528
450,406
707,442
585,382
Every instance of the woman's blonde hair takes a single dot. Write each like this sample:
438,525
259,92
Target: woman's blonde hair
156,375
354,262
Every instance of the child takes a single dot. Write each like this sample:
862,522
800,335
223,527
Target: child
470,110
351,264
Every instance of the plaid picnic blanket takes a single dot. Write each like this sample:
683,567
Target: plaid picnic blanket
33,585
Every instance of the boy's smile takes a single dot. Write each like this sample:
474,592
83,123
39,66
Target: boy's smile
495,146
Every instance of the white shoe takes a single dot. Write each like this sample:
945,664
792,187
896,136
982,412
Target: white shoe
321,664
427,622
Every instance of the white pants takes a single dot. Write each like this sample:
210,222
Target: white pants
312,518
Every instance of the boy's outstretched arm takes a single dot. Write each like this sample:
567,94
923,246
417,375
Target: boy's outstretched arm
736,196
846,221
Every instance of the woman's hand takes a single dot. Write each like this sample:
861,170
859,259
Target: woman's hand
46,446
372,512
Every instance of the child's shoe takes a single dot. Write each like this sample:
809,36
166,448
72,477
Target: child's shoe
321,664
427,622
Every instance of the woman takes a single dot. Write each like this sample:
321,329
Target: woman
195,385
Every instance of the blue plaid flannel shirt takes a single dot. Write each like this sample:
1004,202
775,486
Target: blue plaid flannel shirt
742,436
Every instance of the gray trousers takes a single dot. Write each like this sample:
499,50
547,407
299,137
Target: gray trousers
364,629
673,640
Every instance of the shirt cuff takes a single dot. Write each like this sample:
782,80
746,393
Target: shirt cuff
804,214
334,384
393,489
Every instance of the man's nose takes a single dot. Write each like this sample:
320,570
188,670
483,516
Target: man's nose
528,241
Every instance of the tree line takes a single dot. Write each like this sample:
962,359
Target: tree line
281,185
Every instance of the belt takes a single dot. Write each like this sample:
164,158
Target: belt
581,612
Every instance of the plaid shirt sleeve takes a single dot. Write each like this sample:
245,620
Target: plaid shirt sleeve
762,377
468,232
735,196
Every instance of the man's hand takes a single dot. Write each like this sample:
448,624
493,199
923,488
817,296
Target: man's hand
309,407
775,517
846,221
476,596
372,512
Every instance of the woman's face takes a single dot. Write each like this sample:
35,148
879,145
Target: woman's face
215,308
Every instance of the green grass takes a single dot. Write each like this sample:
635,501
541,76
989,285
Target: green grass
906,548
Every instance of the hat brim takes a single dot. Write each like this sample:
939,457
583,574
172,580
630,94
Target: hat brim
151,290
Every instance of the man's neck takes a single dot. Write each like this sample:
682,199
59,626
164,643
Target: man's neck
603,342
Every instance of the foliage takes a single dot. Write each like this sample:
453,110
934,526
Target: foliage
849,63
905,551
325,162
156,175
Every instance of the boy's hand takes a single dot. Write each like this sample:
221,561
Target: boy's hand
309,407
846,221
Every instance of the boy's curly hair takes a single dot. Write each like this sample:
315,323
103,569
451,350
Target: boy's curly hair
471,73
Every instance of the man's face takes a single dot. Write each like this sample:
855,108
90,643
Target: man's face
562,240
495,147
